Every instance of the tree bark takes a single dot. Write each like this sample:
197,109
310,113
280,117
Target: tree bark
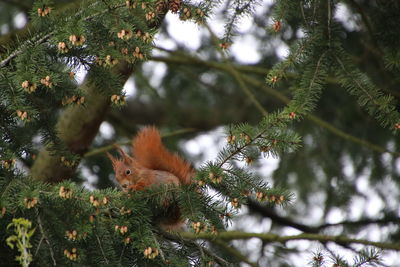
76,127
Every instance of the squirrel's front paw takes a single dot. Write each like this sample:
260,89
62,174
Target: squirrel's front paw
138,186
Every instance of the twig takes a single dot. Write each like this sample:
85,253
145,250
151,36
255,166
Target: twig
45,239
362,222
24,6
256,83
234,252
21,49
39,245
270,213
162,255
122,253
236,75
236,235
203,250
368,25
102,251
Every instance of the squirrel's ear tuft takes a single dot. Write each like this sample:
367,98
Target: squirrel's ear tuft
112,158
125,157
121,152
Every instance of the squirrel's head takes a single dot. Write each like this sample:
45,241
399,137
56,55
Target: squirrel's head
125,168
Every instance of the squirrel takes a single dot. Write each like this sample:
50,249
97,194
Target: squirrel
152,164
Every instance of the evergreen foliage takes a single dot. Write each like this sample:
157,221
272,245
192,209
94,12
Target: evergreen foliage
72,225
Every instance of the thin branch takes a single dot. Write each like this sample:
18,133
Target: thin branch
236,75
234,252
22,48
122,253
191,60
269,237
368,25
101,249
321,122
362,222
24,6
45,239
247,91
203,250
43,39
39,245
270,213
371,98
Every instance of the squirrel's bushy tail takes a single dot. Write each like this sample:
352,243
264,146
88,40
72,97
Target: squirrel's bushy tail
152,154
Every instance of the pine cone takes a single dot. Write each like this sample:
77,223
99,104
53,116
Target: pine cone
175,5
161,6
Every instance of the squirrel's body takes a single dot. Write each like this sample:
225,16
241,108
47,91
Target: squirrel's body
151,165
152,154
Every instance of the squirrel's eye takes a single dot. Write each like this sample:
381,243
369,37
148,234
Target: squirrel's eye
128,172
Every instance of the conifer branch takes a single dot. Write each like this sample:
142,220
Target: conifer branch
321,122
24,6
269,237
33,42
45,239
359,85
101,249
268,212
178,239
77,127
368,26
362,222
234,252
38,39
381,106
247,91
191,60
236,75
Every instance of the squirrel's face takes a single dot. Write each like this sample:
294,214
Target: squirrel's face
124,169
124,174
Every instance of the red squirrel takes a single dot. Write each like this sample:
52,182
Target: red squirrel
152,164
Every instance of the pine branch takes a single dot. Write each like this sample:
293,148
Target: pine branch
285,221
368,26
247,91
101,249
236,75
234,252
77,127
178,239
367,257
269,237
382,107
36,40
39,221
24,6
181,58
362,222
270,213
39,39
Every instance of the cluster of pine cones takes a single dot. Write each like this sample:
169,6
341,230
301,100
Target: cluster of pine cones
164,5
